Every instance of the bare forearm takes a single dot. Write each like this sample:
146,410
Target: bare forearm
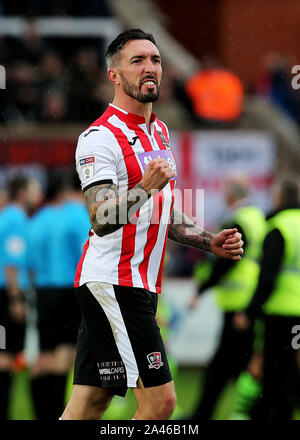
109,212
12,284
184,231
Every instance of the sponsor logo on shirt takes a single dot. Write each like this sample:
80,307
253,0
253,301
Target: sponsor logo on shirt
87,167
145,158
134,139
87,160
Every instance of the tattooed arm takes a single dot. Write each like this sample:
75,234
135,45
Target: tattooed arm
184,231
225,244
108,211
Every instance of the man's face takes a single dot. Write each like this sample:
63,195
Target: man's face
139,69
33,194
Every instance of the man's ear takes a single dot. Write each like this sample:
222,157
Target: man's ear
113,76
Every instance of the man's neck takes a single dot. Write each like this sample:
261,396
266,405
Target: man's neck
131,105
235,204
18,203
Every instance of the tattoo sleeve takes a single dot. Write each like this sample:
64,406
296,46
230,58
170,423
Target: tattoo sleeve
184,231
108,211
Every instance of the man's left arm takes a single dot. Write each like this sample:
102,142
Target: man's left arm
226,244
14,253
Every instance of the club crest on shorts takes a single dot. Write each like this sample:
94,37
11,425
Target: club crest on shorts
154,360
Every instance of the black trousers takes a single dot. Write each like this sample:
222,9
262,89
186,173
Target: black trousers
231,357
280,371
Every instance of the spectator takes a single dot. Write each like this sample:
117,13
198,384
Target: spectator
22,91
216,95
55,107
84,98
277,297
29,47
274,83
52,72
234,285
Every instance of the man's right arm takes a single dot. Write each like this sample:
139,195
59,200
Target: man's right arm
14,255
109,211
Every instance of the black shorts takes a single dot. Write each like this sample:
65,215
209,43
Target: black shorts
14,332
58,317
119,340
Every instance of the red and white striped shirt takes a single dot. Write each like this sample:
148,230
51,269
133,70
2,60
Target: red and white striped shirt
117,148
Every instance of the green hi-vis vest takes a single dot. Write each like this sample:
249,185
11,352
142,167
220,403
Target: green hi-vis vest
203,269
285,298
237,286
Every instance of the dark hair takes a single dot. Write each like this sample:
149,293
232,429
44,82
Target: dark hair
57,184
119,42
15,185
73,180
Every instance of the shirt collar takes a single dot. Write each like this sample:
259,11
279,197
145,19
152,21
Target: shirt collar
129,117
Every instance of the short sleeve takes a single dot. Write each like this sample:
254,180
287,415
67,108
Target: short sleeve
15,244
96,157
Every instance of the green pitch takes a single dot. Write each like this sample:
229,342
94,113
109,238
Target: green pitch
188,387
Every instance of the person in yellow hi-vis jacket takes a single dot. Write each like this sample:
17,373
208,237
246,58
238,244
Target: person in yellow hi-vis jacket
277,297
234,285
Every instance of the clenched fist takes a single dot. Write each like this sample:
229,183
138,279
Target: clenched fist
228,244
157,175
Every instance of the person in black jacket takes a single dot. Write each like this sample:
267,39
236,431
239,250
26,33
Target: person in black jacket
277,300
235,347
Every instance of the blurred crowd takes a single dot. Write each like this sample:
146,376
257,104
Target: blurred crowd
42,237
34,8
53,80
274,82
58,80
259,300
50,80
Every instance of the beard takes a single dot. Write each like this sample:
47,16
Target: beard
136,92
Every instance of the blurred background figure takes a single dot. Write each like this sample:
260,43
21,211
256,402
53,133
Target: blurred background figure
86,79
277,297
3,197
14,280
216,95
58,232
274,83
234,284
248,385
